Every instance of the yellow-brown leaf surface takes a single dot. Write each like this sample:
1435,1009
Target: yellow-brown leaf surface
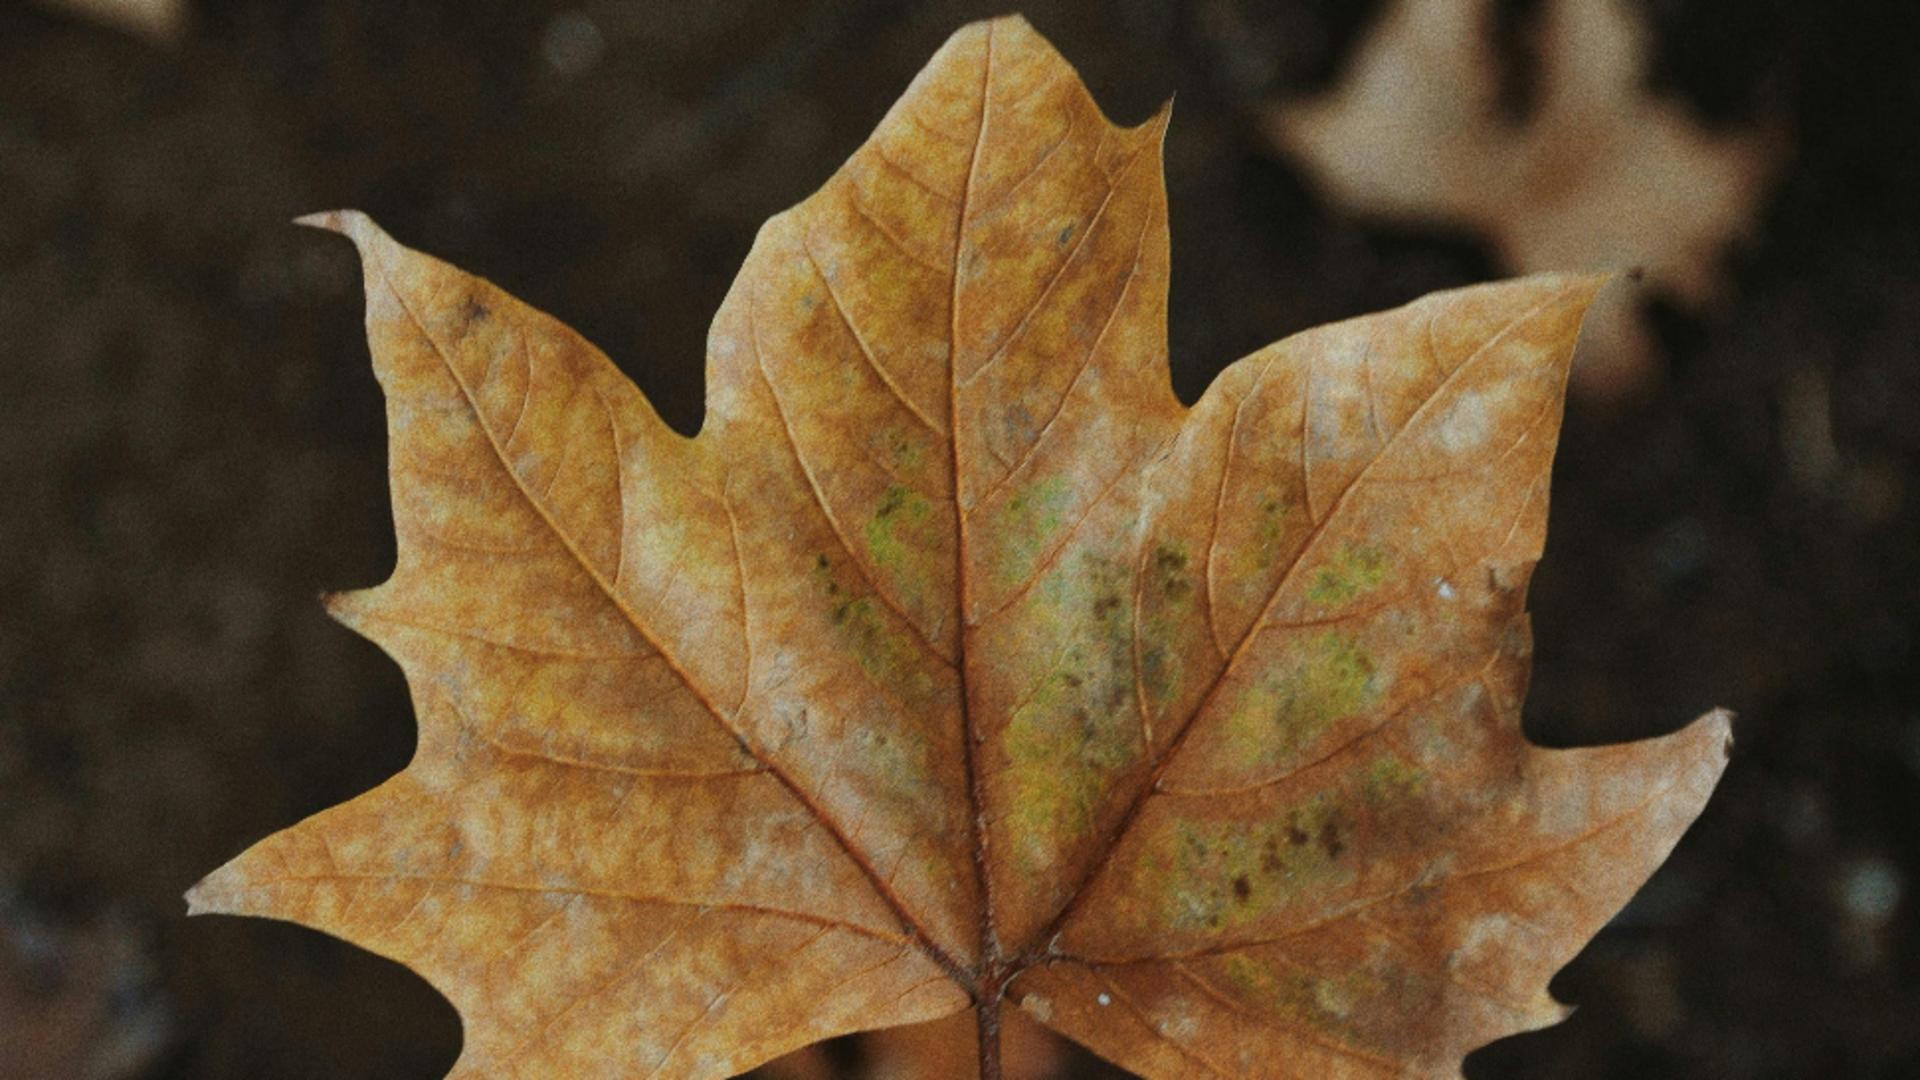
956,661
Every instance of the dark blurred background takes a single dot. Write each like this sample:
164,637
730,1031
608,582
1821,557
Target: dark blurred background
192,446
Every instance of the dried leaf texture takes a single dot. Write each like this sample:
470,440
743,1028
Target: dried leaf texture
955,659
1600,175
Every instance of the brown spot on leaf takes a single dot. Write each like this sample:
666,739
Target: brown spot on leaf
1330,841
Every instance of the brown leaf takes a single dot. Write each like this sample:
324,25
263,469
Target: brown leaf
1600,176
957,660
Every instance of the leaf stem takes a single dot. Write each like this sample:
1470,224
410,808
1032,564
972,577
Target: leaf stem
987,1021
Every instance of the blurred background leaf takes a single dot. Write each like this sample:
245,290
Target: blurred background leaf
1588,172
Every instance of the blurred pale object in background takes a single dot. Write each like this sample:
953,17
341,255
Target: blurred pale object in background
78,1001
156,20
1598,175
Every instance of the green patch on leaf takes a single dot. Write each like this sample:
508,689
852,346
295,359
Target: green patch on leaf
1080,725
1353,570
1327,1001
1168,573
1390,779
1269,531
873,635
900,509
1216,875
1029,522
905,451
1286,712
1061,758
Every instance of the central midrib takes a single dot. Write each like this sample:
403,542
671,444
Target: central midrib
991,974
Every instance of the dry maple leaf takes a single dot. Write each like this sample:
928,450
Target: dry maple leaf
1600,176
956,662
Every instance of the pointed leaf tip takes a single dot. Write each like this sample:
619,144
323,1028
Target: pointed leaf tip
1161,119
1584,286
202,898
329,220
1719,721
355,225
